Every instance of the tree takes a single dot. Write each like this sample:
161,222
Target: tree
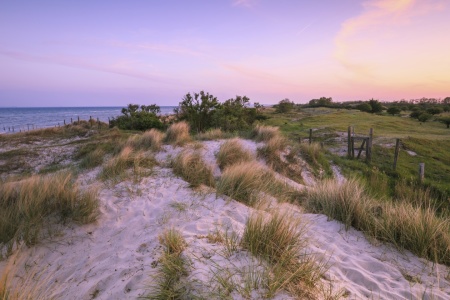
445,120
284,106
393,110
197,110
434,110
377,107
134,118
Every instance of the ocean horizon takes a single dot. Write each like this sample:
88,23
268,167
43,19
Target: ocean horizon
19,119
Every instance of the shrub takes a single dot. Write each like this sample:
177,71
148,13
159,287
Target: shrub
232,152
29,205
178,134
234,114
190,166
264,133
134,118
284,106
364,107
197,110
424,117
445,120
393,110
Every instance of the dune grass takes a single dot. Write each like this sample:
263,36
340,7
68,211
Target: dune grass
212,134
178,134
417,229
279,240
245,181
149,140
29,206
232,152
263,133
116,168
314,155
190,166
171,267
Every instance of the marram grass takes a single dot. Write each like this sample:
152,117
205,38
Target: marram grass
232,152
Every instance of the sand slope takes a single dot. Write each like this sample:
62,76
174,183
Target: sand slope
115,258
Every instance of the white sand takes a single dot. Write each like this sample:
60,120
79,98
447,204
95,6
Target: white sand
115,257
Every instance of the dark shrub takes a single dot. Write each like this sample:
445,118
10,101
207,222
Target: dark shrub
138,118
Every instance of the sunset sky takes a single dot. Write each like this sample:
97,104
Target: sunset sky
111,53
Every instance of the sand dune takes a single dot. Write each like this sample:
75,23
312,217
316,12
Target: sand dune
115,258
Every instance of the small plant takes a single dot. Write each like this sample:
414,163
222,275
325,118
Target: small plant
314,155
264,133
171,268
178,134
232,152
278,239
27,205
190,166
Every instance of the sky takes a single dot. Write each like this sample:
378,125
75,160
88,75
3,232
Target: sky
111,53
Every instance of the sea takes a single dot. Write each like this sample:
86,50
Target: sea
19,119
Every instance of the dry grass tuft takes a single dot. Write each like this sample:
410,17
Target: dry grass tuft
264,133
211,134
178,134
279,240
190,166
414,228
232,152
30,205
149,140
245,181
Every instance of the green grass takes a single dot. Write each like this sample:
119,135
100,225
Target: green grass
172,266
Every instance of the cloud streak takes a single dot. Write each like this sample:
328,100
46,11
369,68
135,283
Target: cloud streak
116,68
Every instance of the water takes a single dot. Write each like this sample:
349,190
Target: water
27,118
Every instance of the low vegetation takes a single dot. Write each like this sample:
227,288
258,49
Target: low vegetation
136,117
212,134
264,133
314,155
149,140
116,168
29,206
417,229
279,240
178,134
190,166
232,152
172,266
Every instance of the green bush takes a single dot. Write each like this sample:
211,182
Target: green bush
138,118
284,106
234,114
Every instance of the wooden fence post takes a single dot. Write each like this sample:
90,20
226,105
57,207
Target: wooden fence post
369,146
78,120
421,172
349,142
397,150
310,136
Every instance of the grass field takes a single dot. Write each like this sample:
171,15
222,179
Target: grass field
420,143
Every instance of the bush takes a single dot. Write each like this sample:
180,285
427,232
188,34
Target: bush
424,117
232,152
197,110
234,114
365,107
178,134
135,119
284,106
445,120
393,110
